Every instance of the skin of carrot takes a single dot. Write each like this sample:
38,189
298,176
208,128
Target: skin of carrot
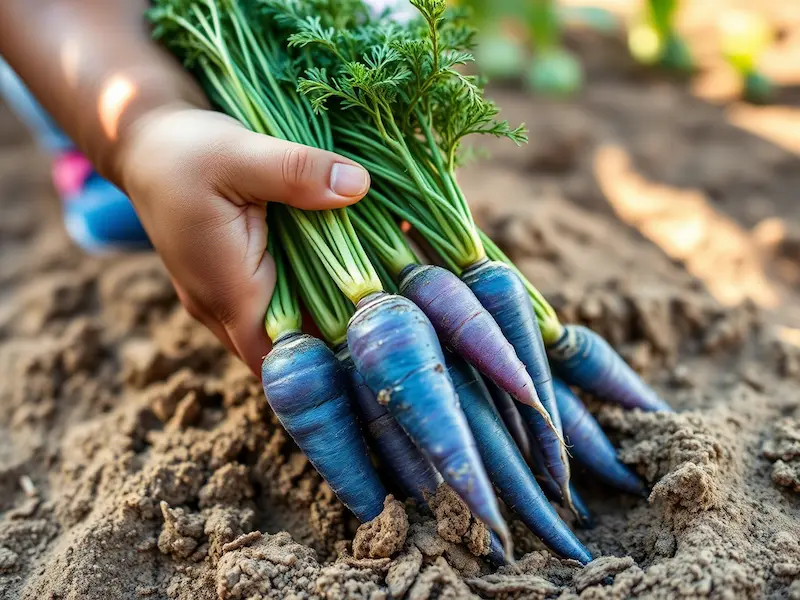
395,348
507,468
412,470
551,489
306,388
496,554
508,411
543,477
584,359
585,519
503,294
590,446
466,327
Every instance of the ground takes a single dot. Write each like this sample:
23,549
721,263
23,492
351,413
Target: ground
138,460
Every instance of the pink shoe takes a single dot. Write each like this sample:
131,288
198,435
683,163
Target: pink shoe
98,216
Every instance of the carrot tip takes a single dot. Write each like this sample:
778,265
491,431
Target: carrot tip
502,531
566,493
539,408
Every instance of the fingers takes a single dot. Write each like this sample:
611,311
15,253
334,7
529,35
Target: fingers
273,170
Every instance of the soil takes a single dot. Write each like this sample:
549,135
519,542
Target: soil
137,460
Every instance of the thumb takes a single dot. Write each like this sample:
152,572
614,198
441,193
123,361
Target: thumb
269,169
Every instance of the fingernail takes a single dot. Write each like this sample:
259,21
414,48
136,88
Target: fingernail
348,180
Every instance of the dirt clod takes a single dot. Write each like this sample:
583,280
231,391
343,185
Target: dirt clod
385,535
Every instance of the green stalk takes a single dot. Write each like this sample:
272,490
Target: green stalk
329,308
386,278
376,227
391,151
283,313
405,211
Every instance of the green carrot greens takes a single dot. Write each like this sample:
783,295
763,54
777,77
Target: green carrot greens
329,308
283,313
414,109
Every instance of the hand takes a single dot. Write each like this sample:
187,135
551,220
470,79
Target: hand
200,183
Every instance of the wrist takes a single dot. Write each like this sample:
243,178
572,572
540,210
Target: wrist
137,144
128,107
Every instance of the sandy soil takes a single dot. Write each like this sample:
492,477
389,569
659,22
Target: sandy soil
138,461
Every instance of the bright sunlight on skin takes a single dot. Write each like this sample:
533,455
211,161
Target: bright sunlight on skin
70,59
116,96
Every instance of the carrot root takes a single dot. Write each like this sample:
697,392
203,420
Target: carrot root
591,447
584,359
466,327
305,386
513,420
503,294
413,471
507,468
395,348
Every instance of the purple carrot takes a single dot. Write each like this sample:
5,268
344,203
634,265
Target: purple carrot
395,348
584,359
306,388
536,461
503,294
513,421
507,469
467,328
590,446
414,472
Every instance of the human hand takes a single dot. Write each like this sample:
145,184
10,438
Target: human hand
200,183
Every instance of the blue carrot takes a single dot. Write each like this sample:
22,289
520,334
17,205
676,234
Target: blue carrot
496,554
414,472
584,359
513,421
395,348
581,357
582,512
544,479
506,466
503,294
590,446
306,388
466,327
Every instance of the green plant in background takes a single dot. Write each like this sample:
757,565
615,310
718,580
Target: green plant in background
500,50
653,39
509,29
744,38
554,70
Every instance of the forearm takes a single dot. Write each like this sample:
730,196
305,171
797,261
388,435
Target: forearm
93,66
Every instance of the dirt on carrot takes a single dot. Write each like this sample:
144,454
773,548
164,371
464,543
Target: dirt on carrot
137,460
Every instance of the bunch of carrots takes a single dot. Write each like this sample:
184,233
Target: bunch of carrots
436,354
